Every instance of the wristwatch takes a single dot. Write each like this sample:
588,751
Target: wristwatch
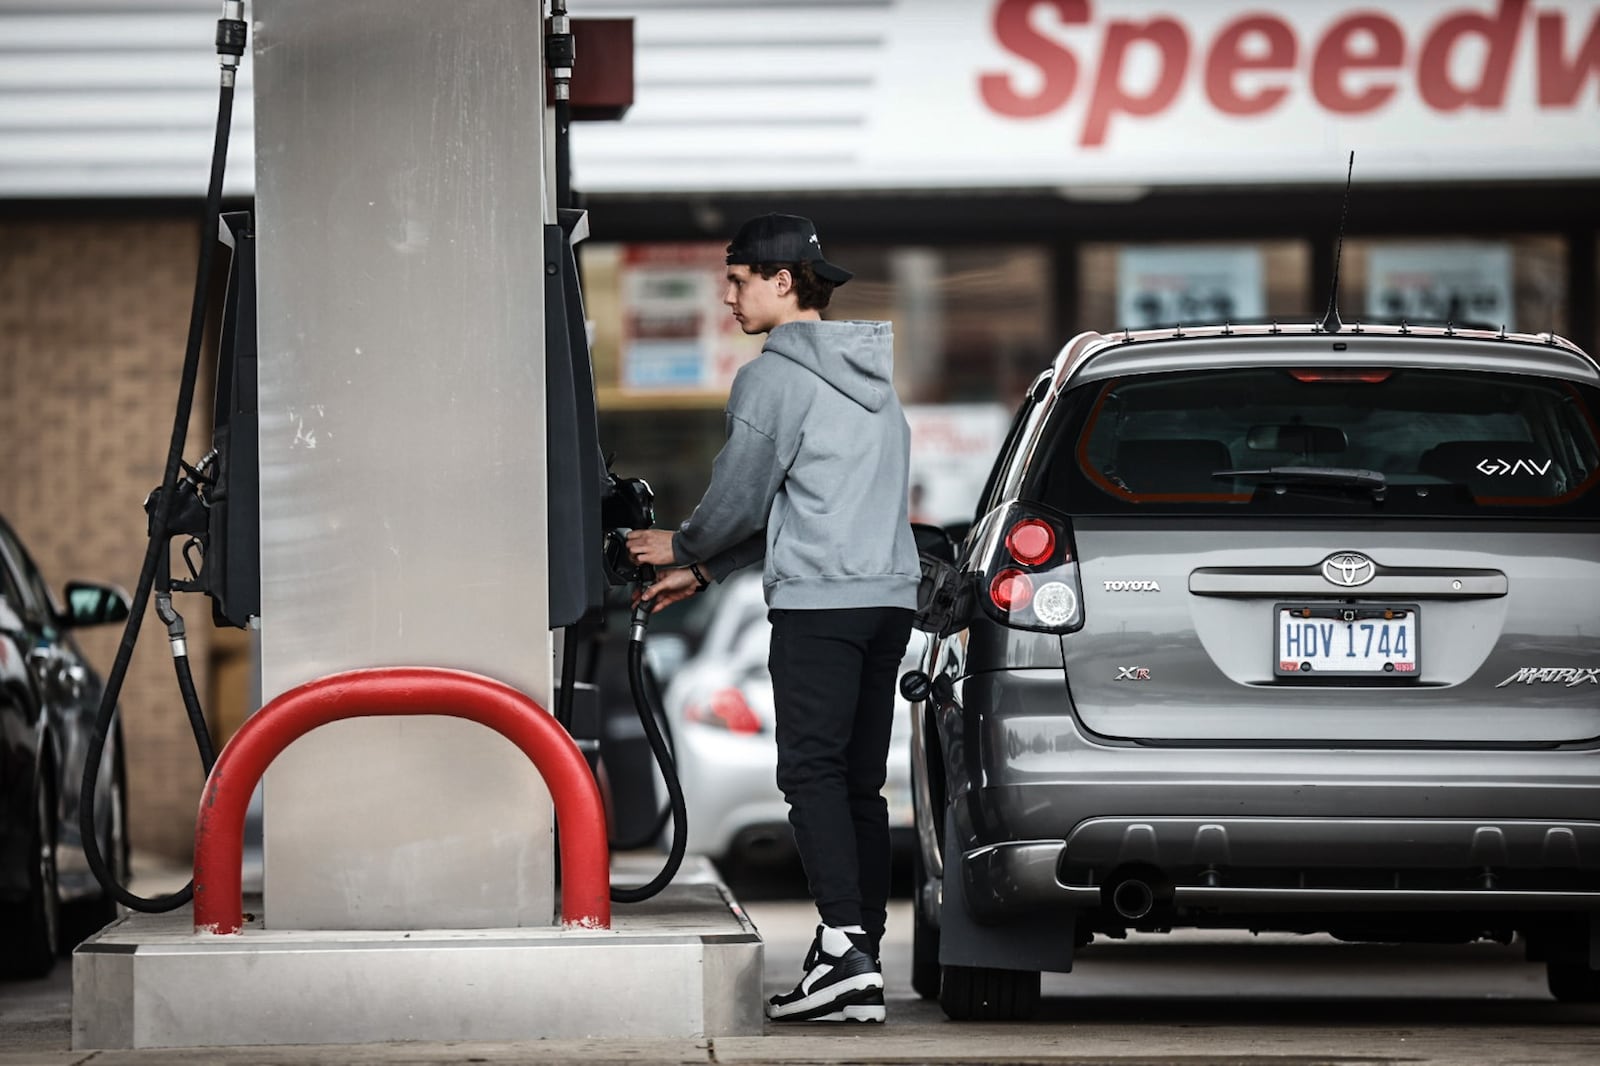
700,578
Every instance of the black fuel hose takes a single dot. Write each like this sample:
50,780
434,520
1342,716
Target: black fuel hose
650,833
563,716
644,704
180,664
569,677
158,545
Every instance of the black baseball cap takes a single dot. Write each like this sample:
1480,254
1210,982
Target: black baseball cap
783,239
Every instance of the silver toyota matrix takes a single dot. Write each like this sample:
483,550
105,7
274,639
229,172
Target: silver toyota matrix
1268,628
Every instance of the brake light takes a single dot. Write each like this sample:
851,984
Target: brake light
1031,541
727,709
1011,590
1030,577
1359,377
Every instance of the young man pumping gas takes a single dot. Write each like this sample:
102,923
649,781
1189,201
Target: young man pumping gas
812,483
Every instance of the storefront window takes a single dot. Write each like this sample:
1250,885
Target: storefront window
667,434
661,334
1515,282
1148,286
972,328
972,324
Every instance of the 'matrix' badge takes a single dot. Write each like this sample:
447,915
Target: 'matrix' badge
1568,676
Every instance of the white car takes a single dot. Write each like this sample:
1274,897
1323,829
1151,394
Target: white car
719,706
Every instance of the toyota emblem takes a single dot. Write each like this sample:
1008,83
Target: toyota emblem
1349,569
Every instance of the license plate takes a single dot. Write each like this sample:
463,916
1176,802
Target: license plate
1343,641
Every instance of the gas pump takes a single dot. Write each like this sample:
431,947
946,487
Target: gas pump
426,504
212,509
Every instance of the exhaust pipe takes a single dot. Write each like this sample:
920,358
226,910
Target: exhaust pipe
762,845
759,842
1133,899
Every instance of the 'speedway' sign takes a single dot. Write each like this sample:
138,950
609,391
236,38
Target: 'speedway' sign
1256,61
1075,93
1080,92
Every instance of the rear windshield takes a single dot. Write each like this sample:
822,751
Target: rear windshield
1423,442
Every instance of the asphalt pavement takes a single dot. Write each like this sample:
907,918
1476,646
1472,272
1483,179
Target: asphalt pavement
1192,999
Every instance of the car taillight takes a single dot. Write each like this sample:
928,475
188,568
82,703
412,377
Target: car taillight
1031,541
1011,590
727,709
1032,575
1348,377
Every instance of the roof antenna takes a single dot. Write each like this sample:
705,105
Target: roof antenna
1330,322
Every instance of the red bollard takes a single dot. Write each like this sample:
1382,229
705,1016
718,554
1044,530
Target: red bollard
406,690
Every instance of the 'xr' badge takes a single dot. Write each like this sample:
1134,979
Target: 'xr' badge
1133,673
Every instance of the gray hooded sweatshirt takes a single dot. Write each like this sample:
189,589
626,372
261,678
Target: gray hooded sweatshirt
813,474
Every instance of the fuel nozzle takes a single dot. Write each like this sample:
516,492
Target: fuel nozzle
626,504
642,607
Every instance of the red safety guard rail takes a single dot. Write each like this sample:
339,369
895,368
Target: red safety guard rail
219,829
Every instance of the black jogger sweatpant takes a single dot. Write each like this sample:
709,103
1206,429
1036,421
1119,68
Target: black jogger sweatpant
833,680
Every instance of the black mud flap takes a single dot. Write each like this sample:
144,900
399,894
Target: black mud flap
1036,941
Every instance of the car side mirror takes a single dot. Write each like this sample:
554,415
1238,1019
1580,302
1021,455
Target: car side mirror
89,604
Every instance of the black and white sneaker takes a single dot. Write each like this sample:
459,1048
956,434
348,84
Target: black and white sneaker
869,1009
839,976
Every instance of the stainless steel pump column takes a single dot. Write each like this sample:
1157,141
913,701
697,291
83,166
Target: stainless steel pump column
400,199
401,179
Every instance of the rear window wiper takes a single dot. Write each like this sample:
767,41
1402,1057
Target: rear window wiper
1330,476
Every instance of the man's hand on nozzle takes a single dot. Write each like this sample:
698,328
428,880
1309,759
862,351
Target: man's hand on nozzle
651,546
670,587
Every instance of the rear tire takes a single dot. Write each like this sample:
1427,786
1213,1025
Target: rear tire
33,926
925,973
1573,982
980,993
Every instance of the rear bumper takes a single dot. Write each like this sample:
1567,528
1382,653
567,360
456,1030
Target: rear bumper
1018,765
1045,816
1239,865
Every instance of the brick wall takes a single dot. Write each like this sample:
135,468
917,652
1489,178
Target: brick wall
93,319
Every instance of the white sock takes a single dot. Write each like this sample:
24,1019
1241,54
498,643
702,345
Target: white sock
836,940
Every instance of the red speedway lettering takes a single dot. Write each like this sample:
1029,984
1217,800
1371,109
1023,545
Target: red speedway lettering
1366,41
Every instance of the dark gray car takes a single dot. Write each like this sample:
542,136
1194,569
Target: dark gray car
1269,629
49,695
